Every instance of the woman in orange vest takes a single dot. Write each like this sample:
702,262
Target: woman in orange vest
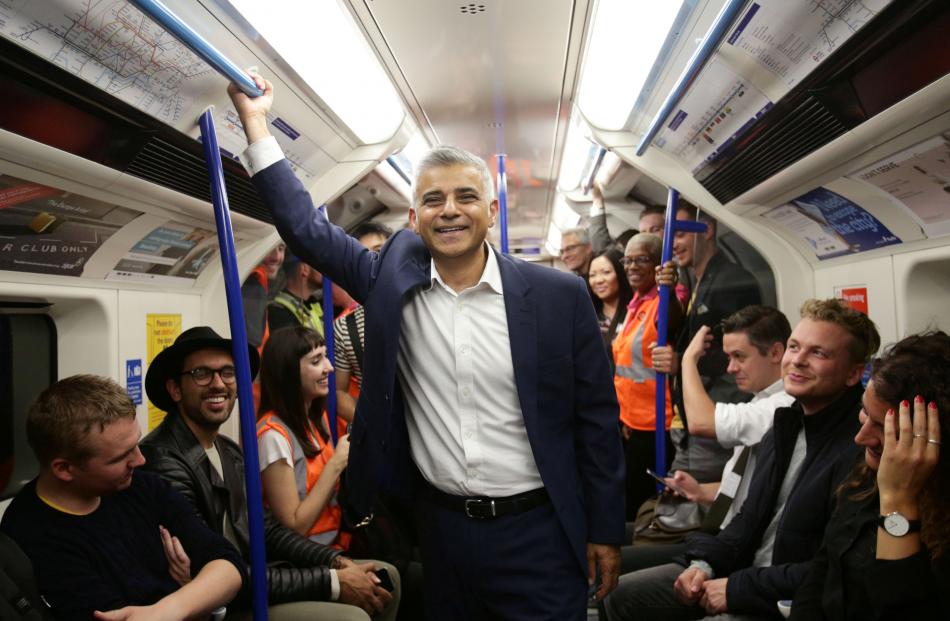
300,469
634,377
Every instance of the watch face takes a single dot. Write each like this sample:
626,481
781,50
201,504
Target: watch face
896,524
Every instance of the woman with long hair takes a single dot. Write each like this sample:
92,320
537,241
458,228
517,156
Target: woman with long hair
886,553
300,468
611,290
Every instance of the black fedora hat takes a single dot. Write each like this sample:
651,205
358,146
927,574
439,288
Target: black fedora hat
167,364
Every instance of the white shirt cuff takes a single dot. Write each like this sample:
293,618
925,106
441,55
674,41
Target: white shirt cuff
596,210
703,565
261,154
334,586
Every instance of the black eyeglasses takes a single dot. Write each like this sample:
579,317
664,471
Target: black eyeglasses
202,376
641,260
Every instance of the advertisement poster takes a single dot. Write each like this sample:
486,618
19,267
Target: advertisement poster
831,224
919,178
49,231
173,253
160,332
855,296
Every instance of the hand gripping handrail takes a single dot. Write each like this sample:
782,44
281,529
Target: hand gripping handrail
695,65
232,287
671,226
198,44
503,201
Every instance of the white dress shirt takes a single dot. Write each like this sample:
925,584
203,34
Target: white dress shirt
744,424
741,425
466,429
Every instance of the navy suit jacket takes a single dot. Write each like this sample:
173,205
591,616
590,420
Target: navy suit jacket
561,371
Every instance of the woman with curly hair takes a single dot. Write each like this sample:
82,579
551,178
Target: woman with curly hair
886,553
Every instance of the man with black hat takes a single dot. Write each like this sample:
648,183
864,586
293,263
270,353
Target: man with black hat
194,381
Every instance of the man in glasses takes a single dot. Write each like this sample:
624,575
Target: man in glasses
194,381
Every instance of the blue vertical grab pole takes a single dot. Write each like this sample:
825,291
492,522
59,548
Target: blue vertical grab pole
671,226
331,354
232,287
503,201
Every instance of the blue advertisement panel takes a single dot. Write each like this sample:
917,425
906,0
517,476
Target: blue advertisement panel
831,224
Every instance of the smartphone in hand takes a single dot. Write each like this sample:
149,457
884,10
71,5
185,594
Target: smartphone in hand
384,580
666,482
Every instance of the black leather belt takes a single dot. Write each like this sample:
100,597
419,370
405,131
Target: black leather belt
484,508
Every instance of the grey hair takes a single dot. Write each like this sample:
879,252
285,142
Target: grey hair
580,232
652,244
444,156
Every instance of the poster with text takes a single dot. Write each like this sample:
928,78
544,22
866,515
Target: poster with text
831,224
50,231
161,330
173,253
919,178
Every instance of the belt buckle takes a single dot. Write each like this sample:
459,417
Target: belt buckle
478,503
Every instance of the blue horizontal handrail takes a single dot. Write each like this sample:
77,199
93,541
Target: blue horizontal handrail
198,44
695,65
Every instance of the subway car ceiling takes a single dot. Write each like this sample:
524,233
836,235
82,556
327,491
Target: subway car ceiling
816,132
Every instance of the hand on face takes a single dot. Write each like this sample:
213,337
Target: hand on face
911,452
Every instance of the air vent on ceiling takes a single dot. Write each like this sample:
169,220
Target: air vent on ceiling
899,52
809,126
472,8
177,169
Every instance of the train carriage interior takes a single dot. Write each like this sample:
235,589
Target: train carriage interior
817,134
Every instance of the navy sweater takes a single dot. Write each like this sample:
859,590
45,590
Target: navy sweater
112,557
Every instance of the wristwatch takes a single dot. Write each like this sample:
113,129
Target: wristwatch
896,525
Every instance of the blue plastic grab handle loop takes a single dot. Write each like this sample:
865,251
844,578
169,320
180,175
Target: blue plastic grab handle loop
198,44
331,353
503,201
695,65
232,287
671,226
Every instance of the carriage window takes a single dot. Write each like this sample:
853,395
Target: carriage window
27,366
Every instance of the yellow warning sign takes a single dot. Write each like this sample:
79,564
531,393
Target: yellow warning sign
160,332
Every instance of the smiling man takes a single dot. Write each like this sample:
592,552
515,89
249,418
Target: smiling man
100,532
486,394
195,382
764,553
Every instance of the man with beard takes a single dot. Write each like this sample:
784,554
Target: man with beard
194,381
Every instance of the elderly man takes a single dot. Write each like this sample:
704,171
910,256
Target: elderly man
514,433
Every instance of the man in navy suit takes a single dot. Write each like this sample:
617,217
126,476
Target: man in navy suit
485,375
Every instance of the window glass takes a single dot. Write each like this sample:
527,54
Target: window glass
27,366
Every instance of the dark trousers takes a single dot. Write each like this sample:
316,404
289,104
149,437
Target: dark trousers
640,453
513,568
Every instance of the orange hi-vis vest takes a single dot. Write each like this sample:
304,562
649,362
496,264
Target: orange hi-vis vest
306,473
634,377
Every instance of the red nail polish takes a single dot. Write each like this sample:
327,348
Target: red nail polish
933,405
890,412
918,399
905,403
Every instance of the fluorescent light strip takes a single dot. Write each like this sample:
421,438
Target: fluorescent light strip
319,40
627,36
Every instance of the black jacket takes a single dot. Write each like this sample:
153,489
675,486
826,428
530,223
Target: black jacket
829,437
298,569
848,583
